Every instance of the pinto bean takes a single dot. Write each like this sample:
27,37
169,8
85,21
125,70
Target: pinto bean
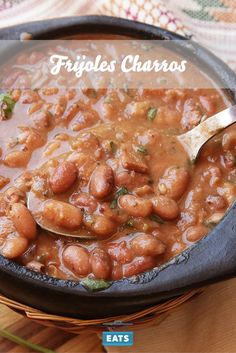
76,259
102,181
29,96
23,220
101,263
62,214
14,195
208,104
3,181
14,246
229,140
84,200
41,120
17,159
143,190
165,207
174,182
117,271
147,245
120,252
139,265
135,206
100,225
35,266
215,202
63,177
213,175
195,233
131,179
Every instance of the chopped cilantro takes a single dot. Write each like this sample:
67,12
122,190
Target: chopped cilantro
93,284
7,105
156,218
151,113
122,191
142,149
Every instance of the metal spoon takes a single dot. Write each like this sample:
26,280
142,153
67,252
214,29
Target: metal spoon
193,140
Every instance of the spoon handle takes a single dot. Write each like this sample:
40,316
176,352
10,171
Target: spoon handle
194,139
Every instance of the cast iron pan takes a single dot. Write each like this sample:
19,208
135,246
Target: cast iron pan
210,260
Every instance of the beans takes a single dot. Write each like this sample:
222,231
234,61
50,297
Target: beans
139,265
212,174
120,252
14,246
17,159
147,245
3,181
131,179
62,214
60,107
132,161
101,263
63,177
100,225
76,259
35,266
143,190
174,182
102,181
135,206
215,202
84,200
35,107
51,148
71,112
229,140
50,91
14,195
41,120
23,220
165,207
228,191
29,96
194,233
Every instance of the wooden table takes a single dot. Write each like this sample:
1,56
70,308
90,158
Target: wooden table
207,323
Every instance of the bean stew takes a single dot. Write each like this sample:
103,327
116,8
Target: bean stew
106,164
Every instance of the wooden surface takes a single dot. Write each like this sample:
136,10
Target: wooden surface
205,324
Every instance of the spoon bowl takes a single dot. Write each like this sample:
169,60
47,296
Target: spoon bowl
193,140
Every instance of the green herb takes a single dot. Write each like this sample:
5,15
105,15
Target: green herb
18,340
130,223
93,284
7,105
142,149
113,204
156,218
113,146
122,191
151,113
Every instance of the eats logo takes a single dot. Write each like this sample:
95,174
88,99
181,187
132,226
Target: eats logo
118,338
